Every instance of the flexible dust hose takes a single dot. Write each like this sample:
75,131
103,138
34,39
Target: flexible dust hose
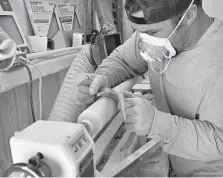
65,109
104,13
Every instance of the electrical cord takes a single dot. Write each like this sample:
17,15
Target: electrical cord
30,90
40,91
40,84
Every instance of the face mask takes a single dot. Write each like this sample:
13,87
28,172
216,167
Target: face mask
155,42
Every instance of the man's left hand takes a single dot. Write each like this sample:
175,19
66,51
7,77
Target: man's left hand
139,114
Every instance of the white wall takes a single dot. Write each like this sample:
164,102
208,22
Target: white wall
213,7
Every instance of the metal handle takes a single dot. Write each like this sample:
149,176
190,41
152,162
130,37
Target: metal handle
35,168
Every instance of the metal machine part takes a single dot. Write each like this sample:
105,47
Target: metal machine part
35,168
60,150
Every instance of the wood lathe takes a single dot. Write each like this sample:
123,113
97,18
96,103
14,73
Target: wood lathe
62,149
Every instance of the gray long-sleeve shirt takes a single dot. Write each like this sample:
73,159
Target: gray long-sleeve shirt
191,88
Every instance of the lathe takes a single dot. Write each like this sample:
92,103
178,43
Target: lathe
61,149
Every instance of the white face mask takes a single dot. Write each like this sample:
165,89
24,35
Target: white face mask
161,42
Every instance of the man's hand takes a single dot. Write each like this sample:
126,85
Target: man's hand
139,114
88,84
98,82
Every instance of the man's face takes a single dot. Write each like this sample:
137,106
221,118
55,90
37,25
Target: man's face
163,30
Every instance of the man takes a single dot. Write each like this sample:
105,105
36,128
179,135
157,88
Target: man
188,93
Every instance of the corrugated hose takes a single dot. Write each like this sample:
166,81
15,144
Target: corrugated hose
104,14
65,108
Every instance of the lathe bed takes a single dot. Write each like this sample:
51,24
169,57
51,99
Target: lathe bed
108,153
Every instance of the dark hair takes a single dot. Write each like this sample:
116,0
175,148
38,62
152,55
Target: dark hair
177,18
198,3
132,6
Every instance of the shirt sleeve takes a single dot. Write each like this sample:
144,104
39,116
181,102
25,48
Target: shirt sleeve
201,139
124,62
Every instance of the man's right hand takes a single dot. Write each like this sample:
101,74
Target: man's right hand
88,86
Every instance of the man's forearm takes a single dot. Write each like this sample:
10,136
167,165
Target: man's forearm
116,71
189,139
123,63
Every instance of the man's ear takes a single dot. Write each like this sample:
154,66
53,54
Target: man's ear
191,14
